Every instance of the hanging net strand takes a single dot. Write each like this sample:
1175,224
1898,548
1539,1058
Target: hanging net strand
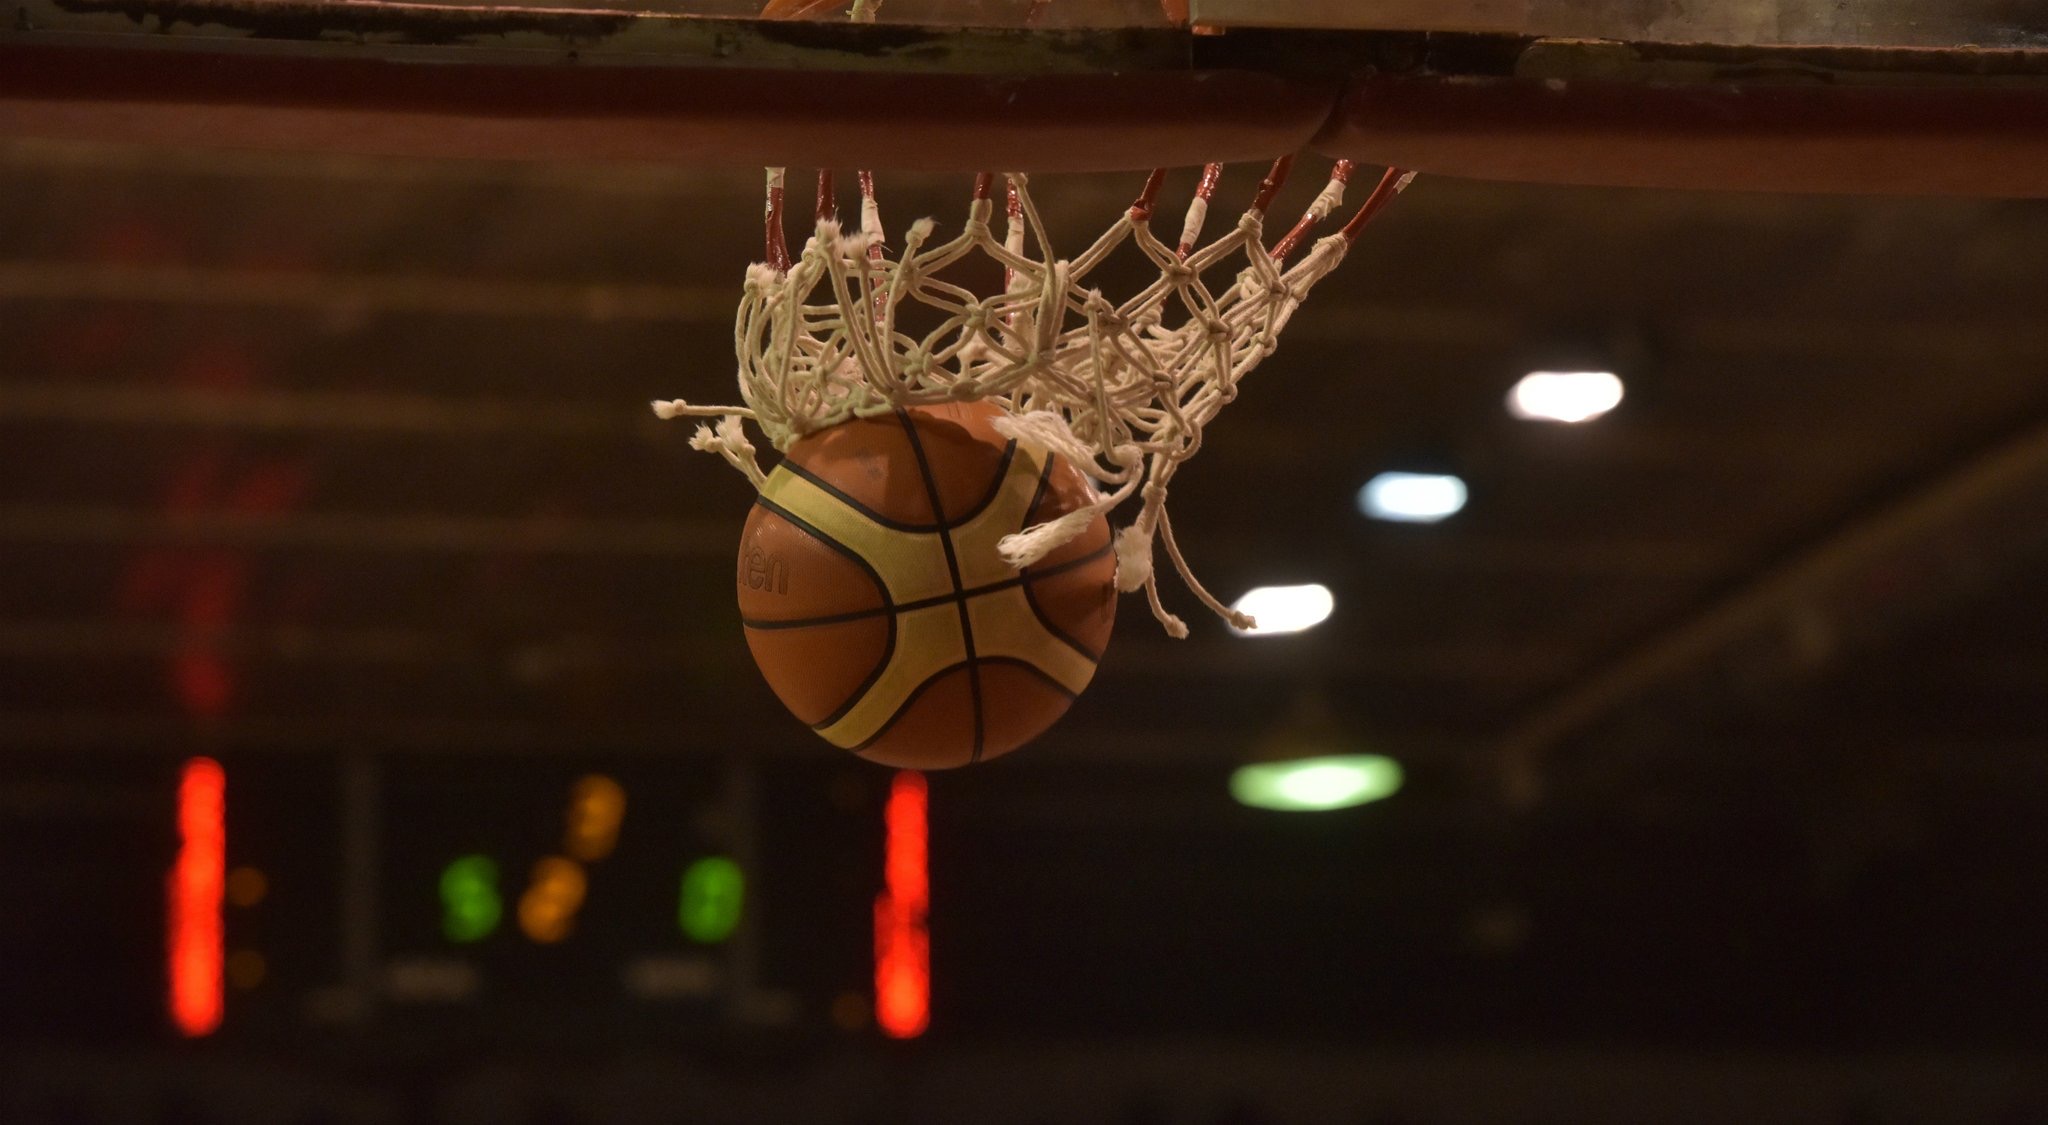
1126,388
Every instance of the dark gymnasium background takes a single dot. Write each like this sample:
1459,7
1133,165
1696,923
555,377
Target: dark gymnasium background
379,746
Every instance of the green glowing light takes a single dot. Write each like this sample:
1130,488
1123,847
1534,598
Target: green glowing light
714,889
470,906
1315,784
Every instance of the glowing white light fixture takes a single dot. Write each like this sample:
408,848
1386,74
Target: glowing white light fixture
1285,609
1412,497
1336,781
1564,396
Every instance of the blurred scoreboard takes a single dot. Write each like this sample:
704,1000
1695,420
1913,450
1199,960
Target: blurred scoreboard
531,895
692,893
525,887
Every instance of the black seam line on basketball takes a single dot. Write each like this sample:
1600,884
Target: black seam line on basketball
1038,611
818,533
1038,493
994,490
931,488
829,489
909,700
903,708
1035,670
1058,633
832,490
935,600
888,607
1030,576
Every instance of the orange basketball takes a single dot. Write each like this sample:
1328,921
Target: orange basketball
878,609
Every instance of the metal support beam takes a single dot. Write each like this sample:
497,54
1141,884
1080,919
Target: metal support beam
1857,589
712,731
438,534
361,842
713,651
356,295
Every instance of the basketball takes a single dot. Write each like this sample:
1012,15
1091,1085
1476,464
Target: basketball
878,609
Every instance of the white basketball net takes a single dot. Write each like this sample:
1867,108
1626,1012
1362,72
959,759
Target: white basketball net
1123,389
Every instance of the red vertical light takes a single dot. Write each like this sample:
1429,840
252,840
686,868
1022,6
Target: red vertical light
903,963
197,881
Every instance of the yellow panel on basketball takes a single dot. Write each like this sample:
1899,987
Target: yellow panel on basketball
911,565
974,657
1005,627
1003,510
927,641
1072,591
792,573
1061,490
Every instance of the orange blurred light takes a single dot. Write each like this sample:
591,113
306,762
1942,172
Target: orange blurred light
547,911
596,806
903,969
196,884
247,886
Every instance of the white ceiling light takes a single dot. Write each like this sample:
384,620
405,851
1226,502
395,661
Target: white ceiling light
1412,497
1564,396
1285,609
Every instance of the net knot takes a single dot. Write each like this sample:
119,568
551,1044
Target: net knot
1102,314
1274,288
1133,559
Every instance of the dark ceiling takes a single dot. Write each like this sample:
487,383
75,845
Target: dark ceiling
387,421
1725,711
